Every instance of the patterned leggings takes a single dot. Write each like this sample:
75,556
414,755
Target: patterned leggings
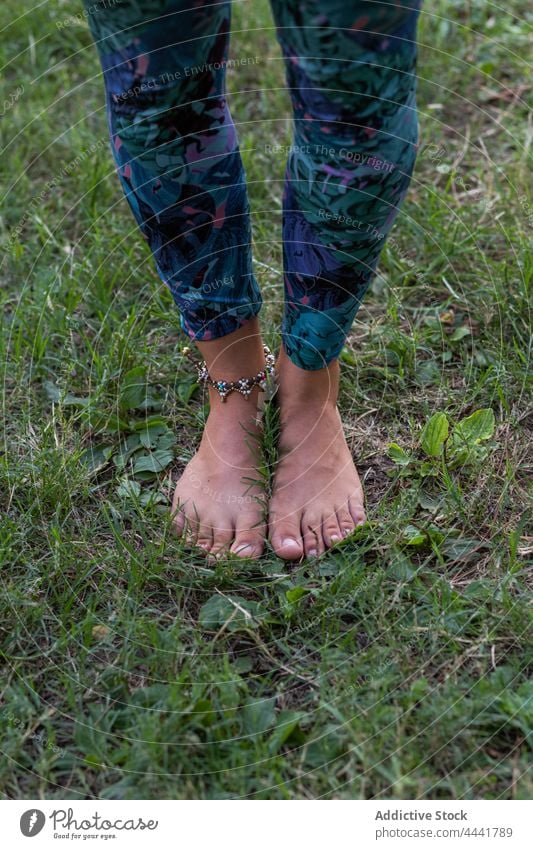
350,67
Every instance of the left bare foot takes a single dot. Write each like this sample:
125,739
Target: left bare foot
219,503
317,497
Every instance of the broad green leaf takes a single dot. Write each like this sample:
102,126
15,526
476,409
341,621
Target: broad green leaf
75,401
471,430
401,567
149,497
128,489
129,447
103,422
429,502
348,357
95,458
52,390
133,388
287,722
435,434
413,535
229,692
460,333
238,612
259,715
147,422
398,455
150,436
481,589
328,570
185,389
243,664
203,712
419,688
323,750
156,461
295,594
427,469
428,373
166,440
463,548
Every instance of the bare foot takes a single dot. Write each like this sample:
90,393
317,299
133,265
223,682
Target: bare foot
317,497
218,502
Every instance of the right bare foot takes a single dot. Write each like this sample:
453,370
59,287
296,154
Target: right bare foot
317,498
219,502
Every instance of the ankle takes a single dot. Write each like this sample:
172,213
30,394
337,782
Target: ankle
238,354
235,407
312,389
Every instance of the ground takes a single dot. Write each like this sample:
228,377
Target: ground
393,667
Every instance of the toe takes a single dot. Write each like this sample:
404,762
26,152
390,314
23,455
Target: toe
312,535
248,549
357,511
203,537
189,521
286,538
249,540
345,520
223,537
179,521
331,531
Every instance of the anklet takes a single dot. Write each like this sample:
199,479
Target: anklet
244,385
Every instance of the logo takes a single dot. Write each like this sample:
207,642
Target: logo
32,822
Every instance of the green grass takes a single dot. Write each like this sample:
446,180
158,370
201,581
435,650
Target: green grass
395,667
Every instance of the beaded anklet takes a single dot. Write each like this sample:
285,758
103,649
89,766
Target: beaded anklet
244,385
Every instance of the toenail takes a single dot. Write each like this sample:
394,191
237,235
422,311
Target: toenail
288,541
334,538
247,549
346,532
312,553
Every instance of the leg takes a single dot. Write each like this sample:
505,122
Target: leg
219,499
176,151
178,160
350,68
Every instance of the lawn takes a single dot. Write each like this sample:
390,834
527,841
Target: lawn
395,666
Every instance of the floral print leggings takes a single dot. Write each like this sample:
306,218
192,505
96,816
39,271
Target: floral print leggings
350,68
